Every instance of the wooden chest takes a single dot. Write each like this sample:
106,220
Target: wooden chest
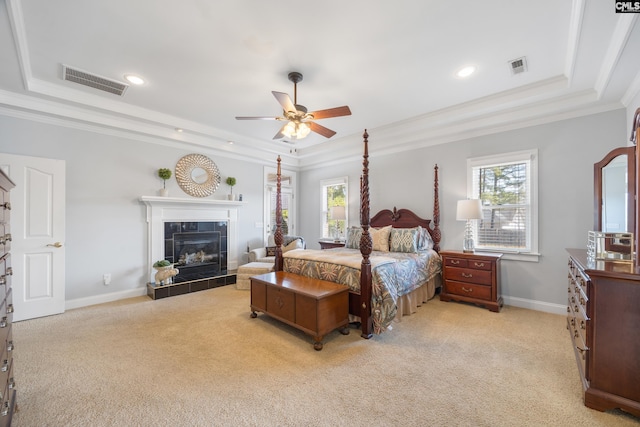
314,306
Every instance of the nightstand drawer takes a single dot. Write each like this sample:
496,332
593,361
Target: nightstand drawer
455,262
468,290
481,277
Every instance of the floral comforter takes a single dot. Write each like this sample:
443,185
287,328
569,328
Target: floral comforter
394,274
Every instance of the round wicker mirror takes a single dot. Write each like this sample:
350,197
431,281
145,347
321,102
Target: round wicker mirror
197,175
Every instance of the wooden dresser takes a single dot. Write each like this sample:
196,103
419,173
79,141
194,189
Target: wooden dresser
603,318
7,383
472,277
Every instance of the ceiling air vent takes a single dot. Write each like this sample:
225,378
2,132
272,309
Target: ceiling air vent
91,80
518,66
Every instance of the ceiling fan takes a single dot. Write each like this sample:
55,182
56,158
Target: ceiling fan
300,122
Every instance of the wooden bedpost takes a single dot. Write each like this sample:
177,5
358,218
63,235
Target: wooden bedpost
436,213
366,246
277,237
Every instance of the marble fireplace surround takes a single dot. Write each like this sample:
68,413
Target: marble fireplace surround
172,209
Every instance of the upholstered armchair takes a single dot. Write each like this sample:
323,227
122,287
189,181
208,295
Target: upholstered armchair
267,254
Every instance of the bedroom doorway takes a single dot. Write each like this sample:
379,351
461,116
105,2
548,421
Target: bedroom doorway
38,235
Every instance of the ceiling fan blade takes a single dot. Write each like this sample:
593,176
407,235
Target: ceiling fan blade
331,112
284,101
280,135
257,118
326,132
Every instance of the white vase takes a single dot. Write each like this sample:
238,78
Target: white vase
229,196
163,192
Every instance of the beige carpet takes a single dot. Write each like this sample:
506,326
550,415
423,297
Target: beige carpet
200,360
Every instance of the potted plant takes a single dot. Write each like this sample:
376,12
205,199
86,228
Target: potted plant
165,174
231,181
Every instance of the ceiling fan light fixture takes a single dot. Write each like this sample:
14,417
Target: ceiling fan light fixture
296,130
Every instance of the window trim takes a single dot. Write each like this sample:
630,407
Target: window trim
530,156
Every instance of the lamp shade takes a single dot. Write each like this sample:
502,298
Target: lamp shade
337,213
469,209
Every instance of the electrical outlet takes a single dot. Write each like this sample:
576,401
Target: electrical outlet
106,279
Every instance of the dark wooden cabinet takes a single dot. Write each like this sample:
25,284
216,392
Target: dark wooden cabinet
7,382
314,306
603,316
472,277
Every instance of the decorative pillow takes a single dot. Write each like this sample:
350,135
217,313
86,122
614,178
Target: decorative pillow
296,244
380,237
425,241
353,237
405,239
271,250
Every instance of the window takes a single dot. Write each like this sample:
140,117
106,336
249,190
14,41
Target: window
335,211
507,186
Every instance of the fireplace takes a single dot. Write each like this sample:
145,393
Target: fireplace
197,249
199,236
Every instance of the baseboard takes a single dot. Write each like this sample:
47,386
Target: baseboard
547,307
100,299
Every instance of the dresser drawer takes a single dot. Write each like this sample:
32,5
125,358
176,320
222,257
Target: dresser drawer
468,290
281,303
481,277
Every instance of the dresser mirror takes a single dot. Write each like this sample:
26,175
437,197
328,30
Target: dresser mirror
614,183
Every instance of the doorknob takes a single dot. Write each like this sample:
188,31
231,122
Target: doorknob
56,245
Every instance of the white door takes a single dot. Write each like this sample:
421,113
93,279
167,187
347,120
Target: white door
37,230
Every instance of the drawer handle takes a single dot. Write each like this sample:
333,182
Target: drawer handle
9,271
8,238
582,350
10,345
3,280
468,276
454,261
479,264
3,322
582,325
6,206
582,301
5,409
5,366
10,308
12,383
467,290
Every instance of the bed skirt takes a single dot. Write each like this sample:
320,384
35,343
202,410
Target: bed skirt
409,303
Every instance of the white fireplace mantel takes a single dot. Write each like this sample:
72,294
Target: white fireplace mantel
173,209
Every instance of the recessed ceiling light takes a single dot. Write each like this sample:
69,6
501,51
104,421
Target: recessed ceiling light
133,79
179,129
466,71
230,142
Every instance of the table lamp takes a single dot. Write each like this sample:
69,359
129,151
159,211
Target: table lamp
338,213
468,210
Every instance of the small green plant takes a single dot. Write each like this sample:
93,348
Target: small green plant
165,174
162,263
231,181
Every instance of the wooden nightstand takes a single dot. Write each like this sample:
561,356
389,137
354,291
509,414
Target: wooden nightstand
328,244
472,277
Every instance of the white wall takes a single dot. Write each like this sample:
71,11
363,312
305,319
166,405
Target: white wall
106,229
567,151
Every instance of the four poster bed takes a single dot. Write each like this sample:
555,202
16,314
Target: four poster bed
391,263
